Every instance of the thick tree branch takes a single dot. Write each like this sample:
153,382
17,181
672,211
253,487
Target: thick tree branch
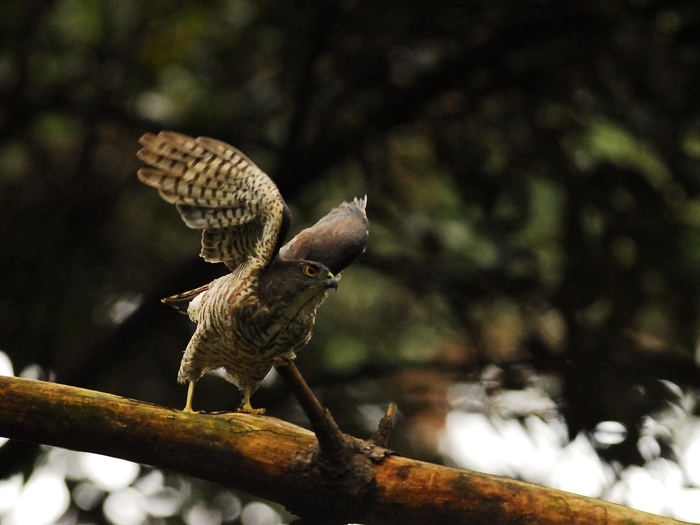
265,457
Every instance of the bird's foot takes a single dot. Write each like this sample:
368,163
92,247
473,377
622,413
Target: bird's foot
246,408
250,410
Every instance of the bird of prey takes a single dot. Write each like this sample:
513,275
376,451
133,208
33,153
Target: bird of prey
265,308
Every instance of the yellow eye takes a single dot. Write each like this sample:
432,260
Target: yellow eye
310,271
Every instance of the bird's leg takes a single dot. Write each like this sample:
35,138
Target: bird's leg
247,408
190,393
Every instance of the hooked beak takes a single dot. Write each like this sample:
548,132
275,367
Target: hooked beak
331,282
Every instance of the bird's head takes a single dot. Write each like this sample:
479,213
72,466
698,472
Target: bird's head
296,281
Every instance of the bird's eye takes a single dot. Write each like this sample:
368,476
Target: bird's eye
310,271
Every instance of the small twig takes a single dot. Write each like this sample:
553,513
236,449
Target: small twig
339,469
330,439
308,401
386,425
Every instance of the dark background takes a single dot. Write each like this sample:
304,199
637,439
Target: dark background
532,171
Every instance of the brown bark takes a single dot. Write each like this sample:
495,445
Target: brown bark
269,458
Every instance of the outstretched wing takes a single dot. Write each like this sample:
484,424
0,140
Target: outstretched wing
219,190
336,240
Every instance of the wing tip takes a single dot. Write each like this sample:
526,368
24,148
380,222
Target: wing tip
147,139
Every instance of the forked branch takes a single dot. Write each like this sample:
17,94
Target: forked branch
262,456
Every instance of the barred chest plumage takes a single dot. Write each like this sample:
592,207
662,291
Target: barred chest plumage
239,332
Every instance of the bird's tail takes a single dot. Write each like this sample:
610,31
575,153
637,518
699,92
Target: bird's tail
182,301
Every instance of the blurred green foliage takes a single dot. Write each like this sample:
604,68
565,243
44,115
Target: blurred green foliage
532,170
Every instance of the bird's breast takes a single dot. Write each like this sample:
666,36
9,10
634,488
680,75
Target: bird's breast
233,315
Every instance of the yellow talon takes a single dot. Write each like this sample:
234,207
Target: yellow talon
247,408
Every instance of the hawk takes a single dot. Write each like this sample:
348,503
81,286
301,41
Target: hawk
265,308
